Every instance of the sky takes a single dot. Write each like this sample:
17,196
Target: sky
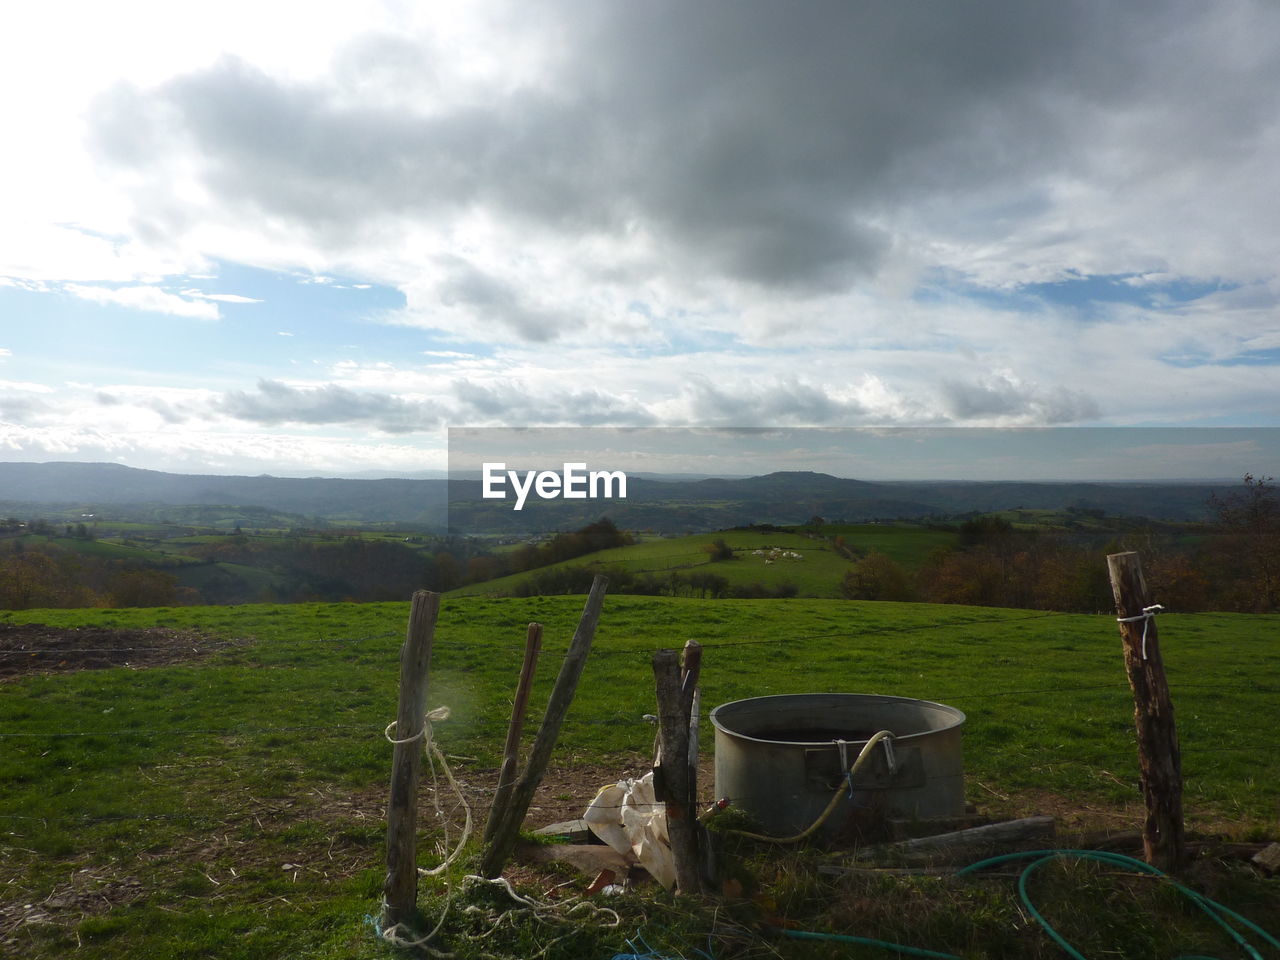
309,238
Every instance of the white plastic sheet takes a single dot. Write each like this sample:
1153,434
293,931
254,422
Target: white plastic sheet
628,817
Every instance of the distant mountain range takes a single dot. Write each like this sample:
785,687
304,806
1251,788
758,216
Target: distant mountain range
108,484
668,505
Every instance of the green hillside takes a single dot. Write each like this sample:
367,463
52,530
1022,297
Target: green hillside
767,558
807,560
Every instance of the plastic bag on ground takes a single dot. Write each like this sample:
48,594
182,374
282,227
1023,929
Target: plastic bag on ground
628,817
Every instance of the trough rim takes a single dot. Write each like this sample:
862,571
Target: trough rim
957,717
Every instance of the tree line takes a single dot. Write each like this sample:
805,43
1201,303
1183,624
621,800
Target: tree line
37,571
1232,564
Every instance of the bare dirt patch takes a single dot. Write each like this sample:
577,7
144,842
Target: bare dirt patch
27,649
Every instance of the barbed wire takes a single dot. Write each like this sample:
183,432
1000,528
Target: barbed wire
707,797
250,643
617,719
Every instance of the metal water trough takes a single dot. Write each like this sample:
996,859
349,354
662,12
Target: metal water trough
778,759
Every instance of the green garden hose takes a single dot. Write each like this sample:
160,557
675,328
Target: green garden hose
1216,911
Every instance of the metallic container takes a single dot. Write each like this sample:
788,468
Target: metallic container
779,759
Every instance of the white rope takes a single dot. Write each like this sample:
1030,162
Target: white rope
435,716
1145,616
547,913
392,934
435,753
398,935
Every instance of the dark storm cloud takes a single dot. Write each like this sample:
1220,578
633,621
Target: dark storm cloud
786,402
470,287
20,409
275,402
1001,397
759,141
513,404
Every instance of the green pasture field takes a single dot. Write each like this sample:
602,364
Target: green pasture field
816,573
231,805
905,544
198,575
103,549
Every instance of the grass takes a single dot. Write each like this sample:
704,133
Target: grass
905,544
162,805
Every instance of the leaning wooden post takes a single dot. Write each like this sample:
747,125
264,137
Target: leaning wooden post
511,750
1159,759
690,674
673,727
508,828
401,887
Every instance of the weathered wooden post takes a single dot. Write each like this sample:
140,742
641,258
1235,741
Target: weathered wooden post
674,769
401,886
690,674
511,749
503,837
1159,759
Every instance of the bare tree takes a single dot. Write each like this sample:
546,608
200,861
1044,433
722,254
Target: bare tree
1250,522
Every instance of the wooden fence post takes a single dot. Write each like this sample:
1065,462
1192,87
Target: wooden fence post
511,749
504,835
690,675
1159,759
401,886
674,769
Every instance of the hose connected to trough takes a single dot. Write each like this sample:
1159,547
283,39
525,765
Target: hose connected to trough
863,754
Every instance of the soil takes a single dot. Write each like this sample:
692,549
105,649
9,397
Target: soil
27,649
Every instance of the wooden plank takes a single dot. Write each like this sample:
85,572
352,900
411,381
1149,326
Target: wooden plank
401,886
1007,833
575,831
1269,858
932,826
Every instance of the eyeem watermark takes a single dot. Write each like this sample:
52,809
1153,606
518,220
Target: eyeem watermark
575,483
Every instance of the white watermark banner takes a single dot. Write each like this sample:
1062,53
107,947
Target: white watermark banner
521,483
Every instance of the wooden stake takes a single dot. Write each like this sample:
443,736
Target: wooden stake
401,886
511,750
1159,759
673,726
504,834
690,674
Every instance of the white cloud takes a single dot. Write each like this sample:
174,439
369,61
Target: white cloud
150,299
220,297
24,387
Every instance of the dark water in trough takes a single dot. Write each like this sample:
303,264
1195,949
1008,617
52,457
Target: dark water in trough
812,735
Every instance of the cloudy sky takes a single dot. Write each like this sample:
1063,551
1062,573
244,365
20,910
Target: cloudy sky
307,238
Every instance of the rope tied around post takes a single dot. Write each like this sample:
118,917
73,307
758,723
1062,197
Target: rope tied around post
434,716
433,753
1145,616
393,934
